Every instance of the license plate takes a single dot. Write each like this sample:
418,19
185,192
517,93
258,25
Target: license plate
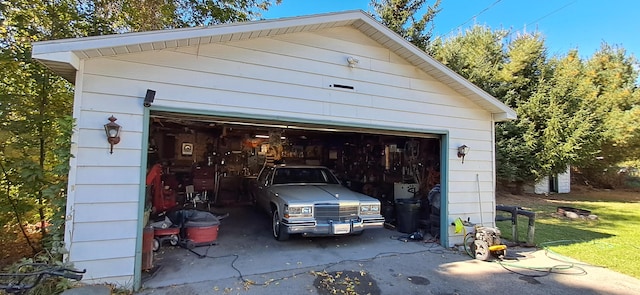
341,228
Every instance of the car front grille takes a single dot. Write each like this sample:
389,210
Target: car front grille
335,212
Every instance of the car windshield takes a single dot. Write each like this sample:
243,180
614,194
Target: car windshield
303,175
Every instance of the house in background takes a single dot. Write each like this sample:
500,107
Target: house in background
351,93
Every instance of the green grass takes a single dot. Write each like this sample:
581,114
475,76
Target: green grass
611,241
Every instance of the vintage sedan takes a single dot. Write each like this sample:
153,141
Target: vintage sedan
310,200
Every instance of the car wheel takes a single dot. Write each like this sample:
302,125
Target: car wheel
279,231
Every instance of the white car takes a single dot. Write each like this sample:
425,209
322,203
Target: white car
310,200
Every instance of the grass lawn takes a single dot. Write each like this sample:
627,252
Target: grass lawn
611,241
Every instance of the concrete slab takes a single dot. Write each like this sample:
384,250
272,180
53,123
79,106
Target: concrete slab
247,260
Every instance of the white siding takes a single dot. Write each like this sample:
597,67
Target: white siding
289,77
564,182
542,186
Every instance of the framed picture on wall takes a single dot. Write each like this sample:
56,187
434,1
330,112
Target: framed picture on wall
187,149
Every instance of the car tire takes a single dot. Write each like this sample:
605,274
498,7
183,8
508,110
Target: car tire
278,230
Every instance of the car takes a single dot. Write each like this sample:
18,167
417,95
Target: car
311,201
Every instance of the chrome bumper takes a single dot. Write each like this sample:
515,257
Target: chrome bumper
333,228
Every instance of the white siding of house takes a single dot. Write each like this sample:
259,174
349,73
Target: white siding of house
287,76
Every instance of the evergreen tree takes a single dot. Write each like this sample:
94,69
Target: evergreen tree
612,76
400,16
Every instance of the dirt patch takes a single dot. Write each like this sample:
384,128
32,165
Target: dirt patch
15,245
345,282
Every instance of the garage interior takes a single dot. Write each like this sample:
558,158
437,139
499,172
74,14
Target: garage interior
208,162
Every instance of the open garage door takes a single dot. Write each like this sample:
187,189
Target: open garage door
210,160
208,163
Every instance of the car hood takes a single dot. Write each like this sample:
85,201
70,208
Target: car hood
318,194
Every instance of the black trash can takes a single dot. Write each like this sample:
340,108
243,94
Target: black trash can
407,215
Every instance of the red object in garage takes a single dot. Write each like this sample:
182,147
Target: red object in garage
163,196
147,248
197,228
161,235
205,235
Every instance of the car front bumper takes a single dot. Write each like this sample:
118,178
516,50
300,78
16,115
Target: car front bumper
333,227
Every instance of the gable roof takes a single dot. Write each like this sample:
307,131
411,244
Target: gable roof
63,56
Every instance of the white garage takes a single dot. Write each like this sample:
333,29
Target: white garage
340,89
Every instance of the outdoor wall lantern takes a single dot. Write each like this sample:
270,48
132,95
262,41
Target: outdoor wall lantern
113,132
463,150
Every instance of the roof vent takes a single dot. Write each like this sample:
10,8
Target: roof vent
342,86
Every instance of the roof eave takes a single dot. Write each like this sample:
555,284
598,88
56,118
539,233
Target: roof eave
64,63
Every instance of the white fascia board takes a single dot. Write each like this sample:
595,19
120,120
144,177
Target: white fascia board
503,117
117,40
67,57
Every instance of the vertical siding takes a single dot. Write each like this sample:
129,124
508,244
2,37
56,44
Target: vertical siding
288,76
542,186
564,182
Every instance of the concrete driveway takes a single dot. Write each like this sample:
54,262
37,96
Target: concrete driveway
247,260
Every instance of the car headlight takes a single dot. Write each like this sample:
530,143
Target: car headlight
369,209
298,211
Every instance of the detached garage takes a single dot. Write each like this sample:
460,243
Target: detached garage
212,105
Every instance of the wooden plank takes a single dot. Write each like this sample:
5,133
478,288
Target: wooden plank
100,212
100,156
99,231
106,193
97,140
102,249
106,270
327,43
470,175
253,81
111,175
106,102
470,188
130,122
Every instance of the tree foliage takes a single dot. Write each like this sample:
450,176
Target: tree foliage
400,16
612,76
36,105
571,112
32,104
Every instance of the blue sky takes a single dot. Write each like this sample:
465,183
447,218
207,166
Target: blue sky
565,24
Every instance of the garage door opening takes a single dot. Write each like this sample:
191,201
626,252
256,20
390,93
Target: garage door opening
218,156
209,163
